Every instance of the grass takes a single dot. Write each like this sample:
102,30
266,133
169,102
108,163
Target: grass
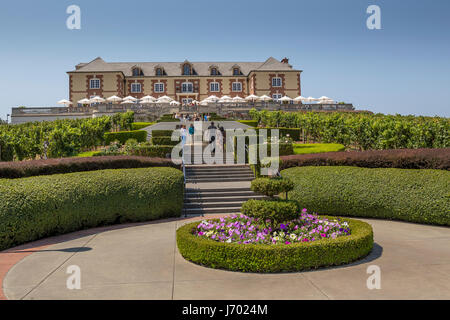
300,148
87,154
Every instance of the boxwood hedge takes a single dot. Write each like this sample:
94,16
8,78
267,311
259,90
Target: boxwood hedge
37,207
123,136
415,195
276,258
141,125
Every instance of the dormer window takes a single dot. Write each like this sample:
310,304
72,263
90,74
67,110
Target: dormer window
186,69
137,72
214,72
159,72
236,71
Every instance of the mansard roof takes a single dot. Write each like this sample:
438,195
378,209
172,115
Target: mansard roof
173,68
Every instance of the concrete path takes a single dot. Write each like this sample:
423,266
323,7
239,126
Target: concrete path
141,261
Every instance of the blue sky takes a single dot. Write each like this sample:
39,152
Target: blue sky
403,68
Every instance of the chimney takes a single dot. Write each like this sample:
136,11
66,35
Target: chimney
285,60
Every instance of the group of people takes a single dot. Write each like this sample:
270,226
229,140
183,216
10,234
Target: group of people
215,135
194,117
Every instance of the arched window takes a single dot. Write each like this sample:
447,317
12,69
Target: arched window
159,72
187,69
236,72
214,72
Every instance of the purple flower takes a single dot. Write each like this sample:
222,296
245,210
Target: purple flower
282,226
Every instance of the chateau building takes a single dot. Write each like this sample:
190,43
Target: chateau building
184,81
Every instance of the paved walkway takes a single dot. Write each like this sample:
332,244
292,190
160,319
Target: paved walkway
141,261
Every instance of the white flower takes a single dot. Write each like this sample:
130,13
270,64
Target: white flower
293,236
228,241
276,238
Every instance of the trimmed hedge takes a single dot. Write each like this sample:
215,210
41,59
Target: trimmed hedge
141,125
12,170
251,123
421,196
123,136
272,186
276,210
293,133
164,141
276,258
153,151
317,148
400,158
162,133
38,207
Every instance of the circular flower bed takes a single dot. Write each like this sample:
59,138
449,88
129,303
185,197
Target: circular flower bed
244,230
242,243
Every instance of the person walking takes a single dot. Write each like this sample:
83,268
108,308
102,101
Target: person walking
212,135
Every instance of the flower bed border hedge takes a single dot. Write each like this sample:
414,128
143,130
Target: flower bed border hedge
400,158
16,169
38,207
123,136
276,258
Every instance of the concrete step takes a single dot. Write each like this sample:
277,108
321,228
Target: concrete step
215,174
223,199
201,211
220,179
225,204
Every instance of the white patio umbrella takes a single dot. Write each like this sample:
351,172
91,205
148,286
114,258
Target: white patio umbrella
114,99
226,99
128,102
311,99
148,98
174,103
300,98
212,98
64,102
97,99
324,98
84,101
130,98
164,99
238,99
252,97
265,98
285,99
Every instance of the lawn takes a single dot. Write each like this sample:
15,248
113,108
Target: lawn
300,148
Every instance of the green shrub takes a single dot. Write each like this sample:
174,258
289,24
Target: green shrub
21,169
276,210
317,148
293,133
251,123
165,141
38,207
272,186
162,133
276,258
421,196
153,151
123,136
141,125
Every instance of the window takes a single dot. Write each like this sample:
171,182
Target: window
214,87
186,101
214,72
94,84
276,96
187,70
159,72
187,87
135,87
236,72
137,72
159,87
276,82
236,87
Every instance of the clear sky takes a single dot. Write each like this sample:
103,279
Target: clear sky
402,68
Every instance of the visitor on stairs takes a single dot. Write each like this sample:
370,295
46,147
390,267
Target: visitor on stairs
212,135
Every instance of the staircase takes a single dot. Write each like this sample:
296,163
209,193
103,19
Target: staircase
216,189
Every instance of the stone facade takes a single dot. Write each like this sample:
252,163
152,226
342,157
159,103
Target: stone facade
117,79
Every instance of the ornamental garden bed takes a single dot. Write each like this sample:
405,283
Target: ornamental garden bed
246,244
